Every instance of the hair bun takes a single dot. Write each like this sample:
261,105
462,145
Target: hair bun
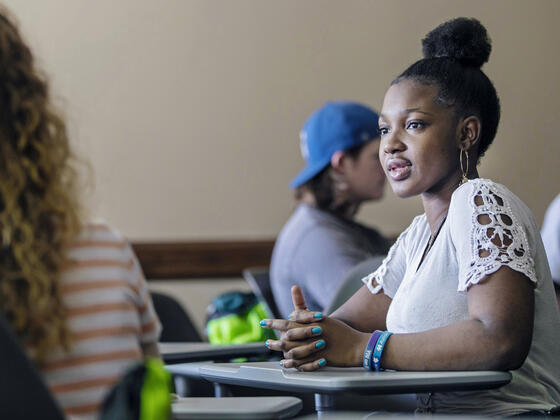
462,38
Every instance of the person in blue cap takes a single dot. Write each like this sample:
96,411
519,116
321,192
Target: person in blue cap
321,241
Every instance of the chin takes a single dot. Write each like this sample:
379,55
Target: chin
401,191
377,196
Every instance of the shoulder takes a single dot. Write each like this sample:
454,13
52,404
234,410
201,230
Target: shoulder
99,231
98,241
311,224
553,210
412,235
484,195
298,238
417,227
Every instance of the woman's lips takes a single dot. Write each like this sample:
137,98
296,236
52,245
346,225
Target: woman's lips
398,169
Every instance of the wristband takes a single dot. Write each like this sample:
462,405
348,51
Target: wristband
368,353
378,350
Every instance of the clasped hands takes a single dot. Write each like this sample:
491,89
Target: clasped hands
309,340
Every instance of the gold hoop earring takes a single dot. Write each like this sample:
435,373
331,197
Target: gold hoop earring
464,171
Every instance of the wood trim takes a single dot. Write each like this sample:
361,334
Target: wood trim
201,259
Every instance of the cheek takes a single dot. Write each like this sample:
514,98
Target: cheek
436,156
374,167
379,169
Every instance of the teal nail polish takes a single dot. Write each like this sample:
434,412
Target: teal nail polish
318,315
317,330
319,344
266,343
281,365
262,323
322,362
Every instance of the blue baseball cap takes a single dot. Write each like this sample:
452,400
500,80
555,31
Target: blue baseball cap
336,126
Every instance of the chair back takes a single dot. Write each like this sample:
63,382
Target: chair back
23,394
353,282
176,324
259,280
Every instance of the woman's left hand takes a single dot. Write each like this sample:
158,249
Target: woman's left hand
311,346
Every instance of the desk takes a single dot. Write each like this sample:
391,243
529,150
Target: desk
328,381
195,352
188,370
236,408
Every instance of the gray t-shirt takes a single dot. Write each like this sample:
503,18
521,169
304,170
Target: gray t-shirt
315,250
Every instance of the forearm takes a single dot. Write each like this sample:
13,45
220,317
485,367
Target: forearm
359,347
467,345
353,314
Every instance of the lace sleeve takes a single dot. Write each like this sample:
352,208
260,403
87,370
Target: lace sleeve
390,273
497,236
374,281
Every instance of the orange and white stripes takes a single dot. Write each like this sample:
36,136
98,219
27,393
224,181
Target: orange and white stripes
110,315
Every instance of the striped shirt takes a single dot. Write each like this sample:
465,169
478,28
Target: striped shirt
110,316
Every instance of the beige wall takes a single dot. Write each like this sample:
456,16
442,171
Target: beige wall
189,110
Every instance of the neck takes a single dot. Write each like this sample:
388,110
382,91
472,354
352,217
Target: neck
308,198
436,202
344,209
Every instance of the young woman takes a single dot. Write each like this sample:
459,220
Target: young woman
73,292
321,242
466,286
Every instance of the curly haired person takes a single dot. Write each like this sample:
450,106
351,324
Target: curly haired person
72,291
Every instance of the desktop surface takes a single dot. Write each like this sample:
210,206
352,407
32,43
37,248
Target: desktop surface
331,379
195,352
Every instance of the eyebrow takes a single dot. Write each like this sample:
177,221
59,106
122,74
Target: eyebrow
410,111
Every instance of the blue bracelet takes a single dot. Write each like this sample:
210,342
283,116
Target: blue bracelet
368,353
378,349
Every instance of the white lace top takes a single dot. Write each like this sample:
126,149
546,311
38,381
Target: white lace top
433,294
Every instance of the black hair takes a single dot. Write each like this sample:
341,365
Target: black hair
453,54
322,185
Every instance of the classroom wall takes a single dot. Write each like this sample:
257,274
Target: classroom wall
189,110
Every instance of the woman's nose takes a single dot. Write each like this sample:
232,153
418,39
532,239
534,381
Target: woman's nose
391,144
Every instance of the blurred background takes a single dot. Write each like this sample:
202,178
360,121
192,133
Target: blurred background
189,110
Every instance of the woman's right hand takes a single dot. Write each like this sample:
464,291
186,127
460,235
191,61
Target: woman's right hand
301,313
301,328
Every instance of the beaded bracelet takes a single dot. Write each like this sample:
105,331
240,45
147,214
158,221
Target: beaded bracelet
378,350
369,349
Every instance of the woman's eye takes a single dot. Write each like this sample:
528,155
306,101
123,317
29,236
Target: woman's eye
383,131
415,125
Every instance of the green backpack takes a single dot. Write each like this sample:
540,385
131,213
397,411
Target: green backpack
233,318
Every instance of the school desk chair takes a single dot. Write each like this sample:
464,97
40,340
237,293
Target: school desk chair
23,394
259,280
176,324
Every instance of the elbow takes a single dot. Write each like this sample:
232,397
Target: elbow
507,342
510,359
510,353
